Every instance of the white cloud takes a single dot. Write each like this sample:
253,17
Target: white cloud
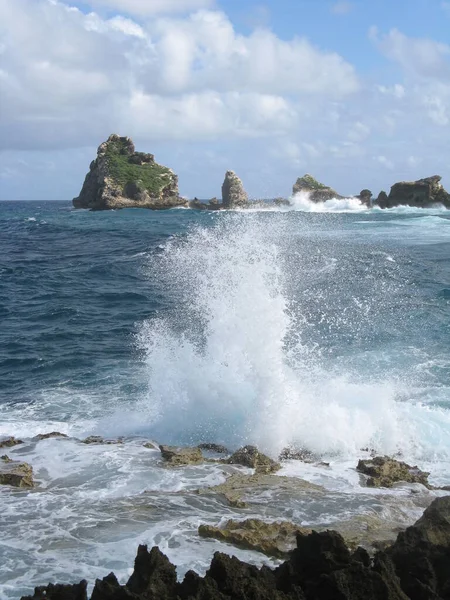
147,8
421,57
358,132
385,162
342,8
69,77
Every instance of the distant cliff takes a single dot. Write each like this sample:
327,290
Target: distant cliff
120,177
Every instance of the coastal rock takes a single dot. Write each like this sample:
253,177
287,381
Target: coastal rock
384,472
321,567
249,456
77,591
120,177
176,456
274,539
98,439
218,448
213,204
318,192
382,199
52,434
15,473
421,554
365,197
422,193
233,192
9,442
302,454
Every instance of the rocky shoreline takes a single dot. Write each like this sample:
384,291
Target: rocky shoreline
363,557
321,567
120,177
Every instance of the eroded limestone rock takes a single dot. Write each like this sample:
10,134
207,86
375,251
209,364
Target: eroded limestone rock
15,473
384,472
233,192
318,192
176,456
250,456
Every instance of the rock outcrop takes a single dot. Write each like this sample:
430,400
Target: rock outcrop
120,177
15,473
9,442
422,193
250,456
233,192
274,539
365,196
321,567
318,192
177,456
384,472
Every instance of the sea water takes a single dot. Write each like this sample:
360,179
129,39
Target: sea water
324,327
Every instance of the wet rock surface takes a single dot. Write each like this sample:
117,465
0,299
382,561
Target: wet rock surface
9,442
47,436
176,456
321,567
274,539
15,473
422,193
384,471
250,456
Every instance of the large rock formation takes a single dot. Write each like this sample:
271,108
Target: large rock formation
318,192
233,192
422,193
321,567
120,177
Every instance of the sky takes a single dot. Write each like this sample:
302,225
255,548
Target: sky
355,92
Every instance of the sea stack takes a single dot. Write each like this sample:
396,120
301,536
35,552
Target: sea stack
233,192
422,193
318,192
120,177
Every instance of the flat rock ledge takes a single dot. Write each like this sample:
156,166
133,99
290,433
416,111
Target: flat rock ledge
9,442
15,473
176,456
321,567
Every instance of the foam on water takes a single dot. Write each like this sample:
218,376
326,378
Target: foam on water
229,367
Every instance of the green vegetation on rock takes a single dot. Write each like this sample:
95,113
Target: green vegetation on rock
125,169
308,181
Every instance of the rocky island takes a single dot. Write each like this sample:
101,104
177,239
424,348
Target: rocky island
120,177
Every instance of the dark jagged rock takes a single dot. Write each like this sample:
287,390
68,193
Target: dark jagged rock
318,192
77,591
321,567
365,197
384,472
177,456
233,192
120,177
9,442
422,193
421,554
250,456
15,473
382,199
213,204
98,439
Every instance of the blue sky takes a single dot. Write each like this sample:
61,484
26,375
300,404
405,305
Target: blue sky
355,92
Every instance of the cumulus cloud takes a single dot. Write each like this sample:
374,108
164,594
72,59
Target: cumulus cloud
68,76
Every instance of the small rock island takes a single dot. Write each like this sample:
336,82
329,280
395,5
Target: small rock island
120,177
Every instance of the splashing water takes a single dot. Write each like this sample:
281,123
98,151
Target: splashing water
231,363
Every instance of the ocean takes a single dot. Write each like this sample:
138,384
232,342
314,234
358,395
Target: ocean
321,326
